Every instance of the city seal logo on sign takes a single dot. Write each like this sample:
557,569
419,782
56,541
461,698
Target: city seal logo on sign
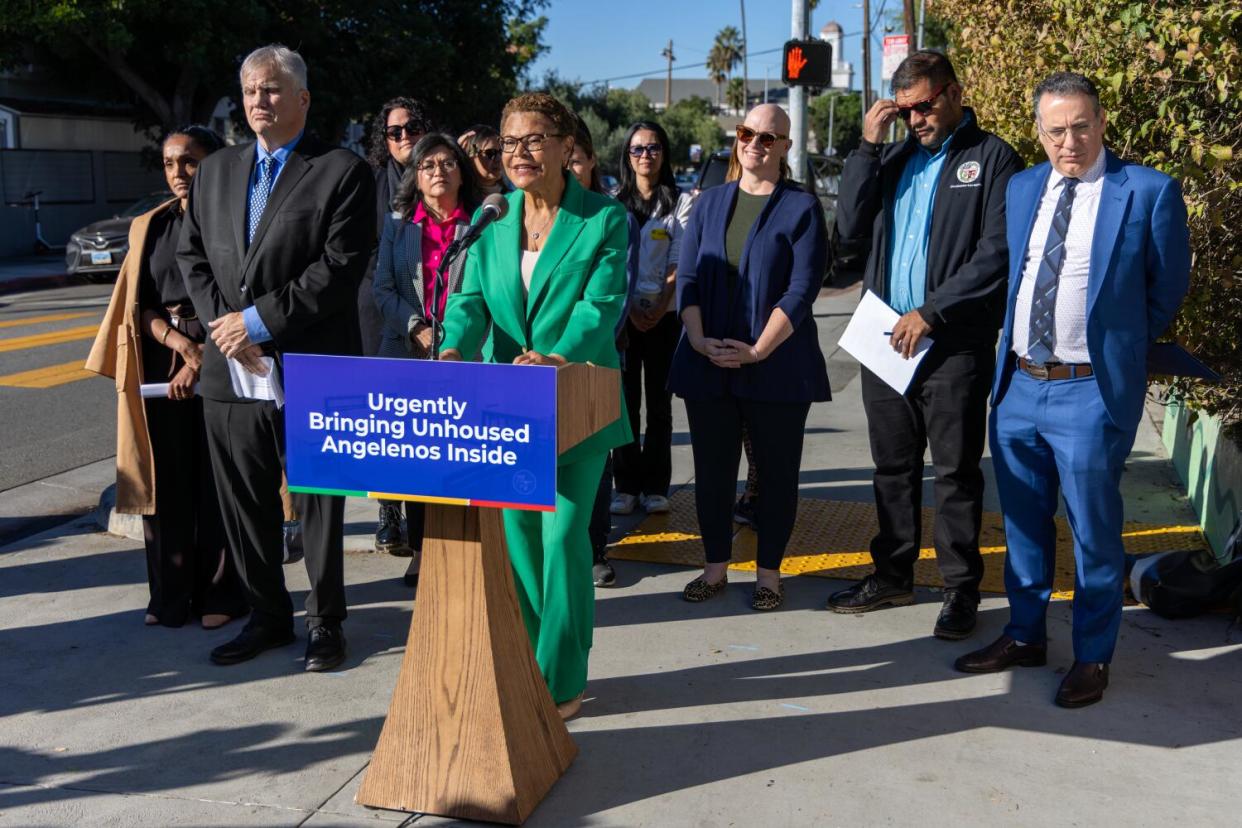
968,172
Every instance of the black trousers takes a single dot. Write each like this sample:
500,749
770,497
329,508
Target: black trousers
776,431
944,408
601,516
370,320
645,466
247,442
189,570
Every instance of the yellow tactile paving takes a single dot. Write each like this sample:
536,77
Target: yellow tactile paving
48,377
831,540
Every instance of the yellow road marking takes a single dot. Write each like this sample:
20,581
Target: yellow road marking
51,317
18,343
47,377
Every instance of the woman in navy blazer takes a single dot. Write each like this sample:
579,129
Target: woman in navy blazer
752,262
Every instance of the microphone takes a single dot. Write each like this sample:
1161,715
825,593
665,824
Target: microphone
495,206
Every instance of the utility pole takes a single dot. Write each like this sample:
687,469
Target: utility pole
922,20
866,56
797,97
907,13
668,79
745,65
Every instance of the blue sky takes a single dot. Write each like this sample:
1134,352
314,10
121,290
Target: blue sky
596,40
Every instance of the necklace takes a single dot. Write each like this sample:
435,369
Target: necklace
537,234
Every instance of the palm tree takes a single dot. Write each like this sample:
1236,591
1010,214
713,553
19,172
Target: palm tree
729,42
735,95
717,70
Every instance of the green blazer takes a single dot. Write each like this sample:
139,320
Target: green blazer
577,294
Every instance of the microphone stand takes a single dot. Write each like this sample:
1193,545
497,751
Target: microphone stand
439,285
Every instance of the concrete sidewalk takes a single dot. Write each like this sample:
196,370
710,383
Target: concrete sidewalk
708,715
34,272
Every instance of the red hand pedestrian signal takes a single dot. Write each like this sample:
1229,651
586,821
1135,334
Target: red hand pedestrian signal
795,62
807,63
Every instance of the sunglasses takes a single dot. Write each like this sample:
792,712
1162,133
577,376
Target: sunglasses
488,154
766,139
412,131
923,107
650,150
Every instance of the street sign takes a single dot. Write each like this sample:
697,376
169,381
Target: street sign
807,63
896,49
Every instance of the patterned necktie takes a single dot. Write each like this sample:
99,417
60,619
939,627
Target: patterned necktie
258,197
1043,332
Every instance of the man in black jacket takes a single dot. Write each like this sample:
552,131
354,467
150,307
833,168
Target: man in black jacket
273,245
932,209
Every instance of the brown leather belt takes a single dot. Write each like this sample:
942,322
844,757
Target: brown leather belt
1055,370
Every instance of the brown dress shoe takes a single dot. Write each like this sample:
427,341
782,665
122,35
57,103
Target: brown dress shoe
1083,685
1002,654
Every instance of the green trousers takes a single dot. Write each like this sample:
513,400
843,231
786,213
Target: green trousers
551,556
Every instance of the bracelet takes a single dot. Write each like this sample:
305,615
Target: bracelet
164,338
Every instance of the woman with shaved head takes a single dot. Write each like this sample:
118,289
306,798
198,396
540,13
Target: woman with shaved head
752,260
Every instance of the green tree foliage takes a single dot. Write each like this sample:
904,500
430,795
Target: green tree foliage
1170,76
608,114
735,97
175,61
846,120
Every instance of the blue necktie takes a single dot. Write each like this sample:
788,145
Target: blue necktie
258,197
1043,331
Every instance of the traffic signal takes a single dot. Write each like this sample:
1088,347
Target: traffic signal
807,63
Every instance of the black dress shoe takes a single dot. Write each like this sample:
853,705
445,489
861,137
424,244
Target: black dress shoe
410,578
869,594
252,640
1083,685
388,535
957,617
325,649
1002,654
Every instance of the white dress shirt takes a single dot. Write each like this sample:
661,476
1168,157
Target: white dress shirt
1071,310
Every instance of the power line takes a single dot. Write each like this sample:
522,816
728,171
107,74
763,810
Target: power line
686,66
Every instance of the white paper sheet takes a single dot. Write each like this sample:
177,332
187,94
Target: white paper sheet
866,339
253,387
157,390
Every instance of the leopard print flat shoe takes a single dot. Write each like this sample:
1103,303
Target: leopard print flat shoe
765,599
698,590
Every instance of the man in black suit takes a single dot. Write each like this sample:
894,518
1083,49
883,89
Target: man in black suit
273,246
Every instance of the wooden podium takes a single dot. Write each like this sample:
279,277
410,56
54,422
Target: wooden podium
472,731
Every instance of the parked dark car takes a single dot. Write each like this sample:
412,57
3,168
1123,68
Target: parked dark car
96,251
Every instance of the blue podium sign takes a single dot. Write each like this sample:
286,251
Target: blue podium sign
445,432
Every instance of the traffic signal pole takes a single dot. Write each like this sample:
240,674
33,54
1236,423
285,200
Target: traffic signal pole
797,97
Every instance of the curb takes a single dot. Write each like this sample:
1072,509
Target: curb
112,521
23,284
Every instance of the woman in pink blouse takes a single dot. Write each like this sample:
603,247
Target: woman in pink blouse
431,208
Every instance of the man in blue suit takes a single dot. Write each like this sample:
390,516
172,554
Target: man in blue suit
1099,263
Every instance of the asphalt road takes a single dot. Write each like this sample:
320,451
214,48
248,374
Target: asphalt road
53,416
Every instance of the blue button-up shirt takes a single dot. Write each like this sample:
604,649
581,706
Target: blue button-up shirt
255,329
909,223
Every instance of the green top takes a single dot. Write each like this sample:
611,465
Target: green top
746,210
575,298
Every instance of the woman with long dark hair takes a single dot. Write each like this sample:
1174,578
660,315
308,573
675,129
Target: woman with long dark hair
482,144
431,209
152,335
397,128
642,470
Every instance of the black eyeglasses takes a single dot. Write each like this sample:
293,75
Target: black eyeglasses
923,107
766,139
412,130
533,142
488,154
650,150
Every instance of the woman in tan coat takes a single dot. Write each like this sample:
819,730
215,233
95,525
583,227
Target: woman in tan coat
151,335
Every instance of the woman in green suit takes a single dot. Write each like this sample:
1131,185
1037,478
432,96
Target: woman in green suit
550,278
